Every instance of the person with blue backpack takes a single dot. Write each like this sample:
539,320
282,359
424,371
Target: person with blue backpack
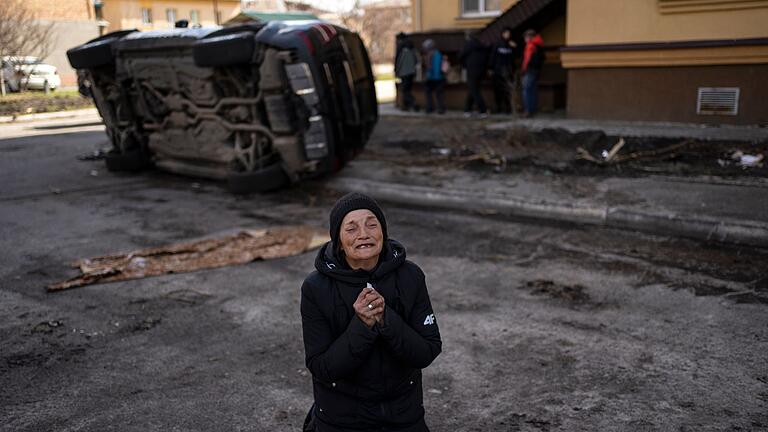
434,73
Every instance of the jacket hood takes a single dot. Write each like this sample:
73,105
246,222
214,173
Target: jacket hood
392,256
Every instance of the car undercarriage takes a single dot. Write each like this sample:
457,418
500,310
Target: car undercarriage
259,105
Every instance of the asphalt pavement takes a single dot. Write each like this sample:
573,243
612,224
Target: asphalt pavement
547,324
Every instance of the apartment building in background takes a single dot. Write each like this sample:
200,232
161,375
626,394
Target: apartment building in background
162,14
701,61
680,60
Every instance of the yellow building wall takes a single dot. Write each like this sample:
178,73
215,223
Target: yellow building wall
431,15
61,10
631,21
126,14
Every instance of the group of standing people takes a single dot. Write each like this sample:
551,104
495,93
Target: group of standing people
477,59
434,66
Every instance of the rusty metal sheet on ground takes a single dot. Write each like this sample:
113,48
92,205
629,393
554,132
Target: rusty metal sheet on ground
240,248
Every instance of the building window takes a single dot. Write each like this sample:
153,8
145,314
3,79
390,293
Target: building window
476,8
146,16
170,15
98,11
194,16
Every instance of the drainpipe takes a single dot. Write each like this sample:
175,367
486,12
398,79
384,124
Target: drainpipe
417,18
216,11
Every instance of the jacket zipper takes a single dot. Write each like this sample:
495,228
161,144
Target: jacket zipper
381,372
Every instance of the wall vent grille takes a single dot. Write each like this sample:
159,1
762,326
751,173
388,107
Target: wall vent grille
718,101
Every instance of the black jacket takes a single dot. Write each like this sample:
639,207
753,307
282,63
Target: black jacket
368,378
502,58
474,57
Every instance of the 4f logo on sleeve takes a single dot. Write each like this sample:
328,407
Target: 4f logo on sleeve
429,320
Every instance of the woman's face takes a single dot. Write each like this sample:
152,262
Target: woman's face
361,238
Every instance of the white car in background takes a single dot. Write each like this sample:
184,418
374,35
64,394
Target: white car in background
29,73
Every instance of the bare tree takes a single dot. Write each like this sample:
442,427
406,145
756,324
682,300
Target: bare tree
377,25
21,34
351,18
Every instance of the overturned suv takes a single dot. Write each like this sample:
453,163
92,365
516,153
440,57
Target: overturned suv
258,105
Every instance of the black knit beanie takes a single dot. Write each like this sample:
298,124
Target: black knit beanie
350,202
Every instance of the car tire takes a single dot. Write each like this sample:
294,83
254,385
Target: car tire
96,52
224,50
10,86
92,54
131,161
268,179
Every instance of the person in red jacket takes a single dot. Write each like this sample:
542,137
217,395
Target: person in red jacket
533,59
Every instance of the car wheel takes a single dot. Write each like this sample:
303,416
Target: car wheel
268,179
224,50
95,53
131,161
92,55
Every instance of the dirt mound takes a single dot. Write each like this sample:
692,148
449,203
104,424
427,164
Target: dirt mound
470,145
570,293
